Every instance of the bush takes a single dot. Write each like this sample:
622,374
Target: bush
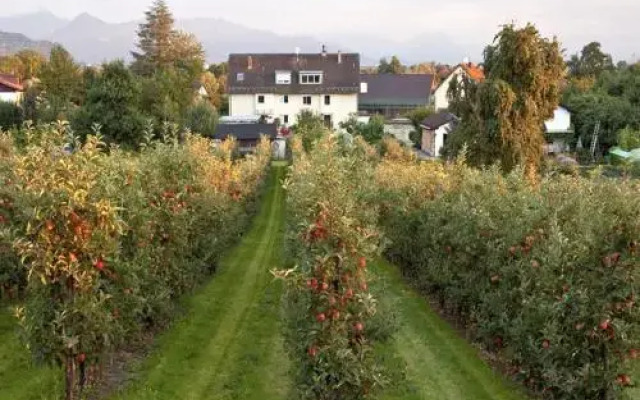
547,277
10,115
331,237
117,238
201,118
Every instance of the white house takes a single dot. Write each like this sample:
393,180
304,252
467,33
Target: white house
440,95
10,89
282,85
557,129
435,131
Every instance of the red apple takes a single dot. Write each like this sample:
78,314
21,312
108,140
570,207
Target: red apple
321,317
362,262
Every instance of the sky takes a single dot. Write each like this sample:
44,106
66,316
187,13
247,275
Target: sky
466,22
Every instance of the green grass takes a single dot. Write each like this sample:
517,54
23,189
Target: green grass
229,345
19,378
440,365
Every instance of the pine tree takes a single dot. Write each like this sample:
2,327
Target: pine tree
155,38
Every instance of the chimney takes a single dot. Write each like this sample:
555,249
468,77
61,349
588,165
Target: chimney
324,50
249,62
297,54
339,57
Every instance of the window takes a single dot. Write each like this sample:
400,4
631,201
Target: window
285,119
283,77
285,99
306,100
310,78
327,100
240,76
364,87
261,99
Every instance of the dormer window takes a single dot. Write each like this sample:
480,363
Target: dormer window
311,78
240,77
283,77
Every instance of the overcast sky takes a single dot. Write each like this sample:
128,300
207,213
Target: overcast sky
575,22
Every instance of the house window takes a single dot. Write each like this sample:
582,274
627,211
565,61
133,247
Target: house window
285,99
310,78
327,100
261,99
306,100
285,119
240,77
364,87
283,77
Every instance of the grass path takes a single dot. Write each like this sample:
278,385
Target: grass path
440,365
229,345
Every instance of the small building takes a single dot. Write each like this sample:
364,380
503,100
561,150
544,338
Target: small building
559,131
401,129
280,86
392,95
466,69
435,130
10,89
247,134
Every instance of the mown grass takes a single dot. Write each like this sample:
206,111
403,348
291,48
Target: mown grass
438,364
229,344
20,379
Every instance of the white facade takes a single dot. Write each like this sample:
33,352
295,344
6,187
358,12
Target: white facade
11,97
440,95
287,107
561,121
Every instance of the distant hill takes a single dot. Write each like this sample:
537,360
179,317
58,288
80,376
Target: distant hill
92,40
11,43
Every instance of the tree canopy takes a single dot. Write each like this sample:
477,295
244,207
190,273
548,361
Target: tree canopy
591,62
503,117
391,67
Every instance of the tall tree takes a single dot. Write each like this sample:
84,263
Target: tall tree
61,83
504,116
591,62
391,67
155,37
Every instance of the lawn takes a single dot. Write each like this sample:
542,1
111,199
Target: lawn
440,365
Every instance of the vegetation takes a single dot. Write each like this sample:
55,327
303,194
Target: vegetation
331,239
499,121
104,254
546,277
372,131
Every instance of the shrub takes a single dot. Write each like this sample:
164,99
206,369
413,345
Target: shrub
331,237
201,118
10,115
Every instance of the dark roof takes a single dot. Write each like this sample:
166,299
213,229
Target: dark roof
341,73
11,82
245,131
435,121
396,90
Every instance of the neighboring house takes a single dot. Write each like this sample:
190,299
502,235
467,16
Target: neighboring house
200,91
282,85
393,95
559,131
10,89
246,133
401,129
435,130
441,94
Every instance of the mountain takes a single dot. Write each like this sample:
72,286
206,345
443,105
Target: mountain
11,43
92,40
40,25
